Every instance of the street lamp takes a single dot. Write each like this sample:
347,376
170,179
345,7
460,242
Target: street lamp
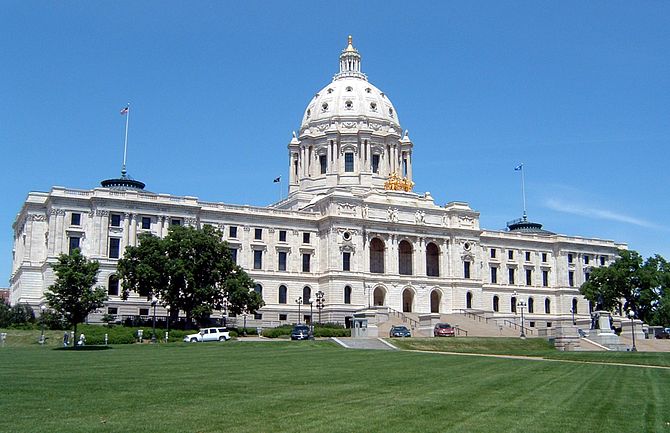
299,302
154,301
43,308
572,310
320,302
521,305
311,317
167,323
631,314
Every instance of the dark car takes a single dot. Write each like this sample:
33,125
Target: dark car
399,331
444,330
300,332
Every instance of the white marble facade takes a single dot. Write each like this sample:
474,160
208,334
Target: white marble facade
402,250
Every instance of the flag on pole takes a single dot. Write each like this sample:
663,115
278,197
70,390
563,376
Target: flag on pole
124,111
277,179
518,167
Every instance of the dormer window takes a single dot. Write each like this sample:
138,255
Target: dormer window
324,106
349,89
373,106
391,112
368,90
348,105
309,113
330,90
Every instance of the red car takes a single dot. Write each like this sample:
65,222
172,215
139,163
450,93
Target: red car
444,330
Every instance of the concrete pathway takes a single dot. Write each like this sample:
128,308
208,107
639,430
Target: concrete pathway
364,343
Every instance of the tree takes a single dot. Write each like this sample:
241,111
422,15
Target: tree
643,285
73,294
241,299
189,270
5,314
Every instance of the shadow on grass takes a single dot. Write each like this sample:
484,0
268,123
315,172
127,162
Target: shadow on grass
84,348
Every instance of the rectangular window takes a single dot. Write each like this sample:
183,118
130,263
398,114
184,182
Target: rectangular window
587,276
586,260
258,316
544,257
493,253
282,235
233,254
346,261
494,275
175,222
602,260
571,278
74,244
466,269
528,256
114,244
570,258
112,310
305,262
258,234
144,311
510,275
282,261
232,231
375,163
349,162
258,259
146,223
510,255
305,238
529,277
323,162
115,220
283,317
75,219
545,278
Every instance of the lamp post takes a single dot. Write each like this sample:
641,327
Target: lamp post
521,305
320,302
43,308
631,314
311,318
167,323
299,302
572,310
154,301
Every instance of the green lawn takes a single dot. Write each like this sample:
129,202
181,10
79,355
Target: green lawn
318,387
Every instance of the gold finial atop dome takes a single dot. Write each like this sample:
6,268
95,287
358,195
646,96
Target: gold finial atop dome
350,46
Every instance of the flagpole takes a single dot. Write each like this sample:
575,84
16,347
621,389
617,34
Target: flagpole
523,192
280,192
125,142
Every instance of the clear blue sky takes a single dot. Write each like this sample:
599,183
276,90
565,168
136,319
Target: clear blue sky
577,91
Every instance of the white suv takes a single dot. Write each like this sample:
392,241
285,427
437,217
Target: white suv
208,334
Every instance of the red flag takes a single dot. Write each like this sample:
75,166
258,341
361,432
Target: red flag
124,111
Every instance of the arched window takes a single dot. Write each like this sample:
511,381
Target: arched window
513,305
531,305
377,256
306,294
259,289
496,303
435,298
468,300
282,294
347,294
405,258
432,260
547,306
407,300
113,286
379,296
574,305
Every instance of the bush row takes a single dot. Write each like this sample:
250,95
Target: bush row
330,330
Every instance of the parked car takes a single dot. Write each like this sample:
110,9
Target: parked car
399,331
208,334
300,332
444,330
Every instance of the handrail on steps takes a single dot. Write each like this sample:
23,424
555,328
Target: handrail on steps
413,323
506,322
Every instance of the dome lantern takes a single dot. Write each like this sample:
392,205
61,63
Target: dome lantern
350,63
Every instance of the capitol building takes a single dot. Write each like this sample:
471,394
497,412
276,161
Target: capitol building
352,227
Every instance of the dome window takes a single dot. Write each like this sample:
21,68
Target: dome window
349,89
324,106
391,112
383,96
330,90
373,106
368,90
348,105
316,95
309,113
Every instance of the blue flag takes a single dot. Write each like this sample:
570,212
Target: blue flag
277,179
518,167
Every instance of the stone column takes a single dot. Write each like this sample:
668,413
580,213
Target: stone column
133,229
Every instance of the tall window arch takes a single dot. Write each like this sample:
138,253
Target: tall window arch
347,294
283,292
306,294
113,285
574,305
407,300
496,303
379,296
432,260
531,305
405,258
259,289
513,305
377,256
547,306
435,299
468,300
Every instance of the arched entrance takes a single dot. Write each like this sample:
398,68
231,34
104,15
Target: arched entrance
405,258
407,300
435,298
379,297
377,256
468,300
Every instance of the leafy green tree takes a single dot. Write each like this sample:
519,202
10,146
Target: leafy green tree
73,294
22,314
189,270
5,314
239,294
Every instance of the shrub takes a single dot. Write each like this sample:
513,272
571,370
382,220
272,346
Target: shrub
325,330
22,314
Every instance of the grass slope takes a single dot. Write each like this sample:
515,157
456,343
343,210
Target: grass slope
318,387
